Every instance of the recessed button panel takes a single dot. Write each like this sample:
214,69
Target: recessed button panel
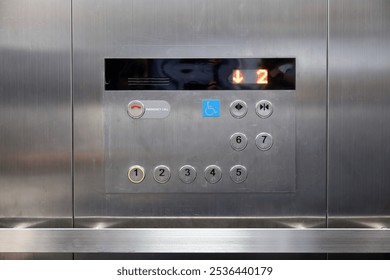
238,109
213,174
264,109
238,174
135,109
136,174
187,174
238,141
264,141
161,174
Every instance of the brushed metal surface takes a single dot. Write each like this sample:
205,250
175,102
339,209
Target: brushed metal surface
177,28
359,115
35,114
195,240
36,256
186,137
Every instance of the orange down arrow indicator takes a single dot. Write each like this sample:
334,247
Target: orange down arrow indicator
238,77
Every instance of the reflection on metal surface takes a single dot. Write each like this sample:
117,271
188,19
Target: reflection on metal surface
379,222
359,115
200,222
222,29
195,241
35,114
199,74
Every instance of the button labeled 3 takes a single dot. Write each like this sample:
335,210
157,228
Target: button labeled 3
238,174
264,109
136,174
187,174
238,141
264,141
135,109
213,174
161,174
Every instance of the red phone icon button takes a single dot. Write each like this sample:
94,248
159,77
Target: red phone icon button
136,109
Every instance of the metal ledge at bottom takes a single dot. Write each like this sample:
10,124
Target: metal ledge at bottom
195,240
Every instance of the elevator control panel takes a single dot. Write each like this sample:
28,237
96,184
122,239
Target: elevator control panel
199,125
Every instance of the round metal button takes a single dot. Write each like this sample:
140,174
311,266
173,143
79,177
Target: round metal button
213,174
264,109
136,174
238,109
161,174
264,141
238,141
187,174
238,174
135,109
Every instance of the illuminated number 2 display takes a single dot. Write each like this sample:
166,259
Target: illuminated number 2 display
247,76
262,77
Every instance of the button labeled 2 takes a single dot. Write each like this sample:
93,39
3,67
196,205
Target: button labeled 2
161,174
136,174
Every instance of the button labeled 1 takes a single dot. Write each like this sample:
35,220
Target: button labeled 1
238,174
213,174
264,141
161,174
187,174
136,174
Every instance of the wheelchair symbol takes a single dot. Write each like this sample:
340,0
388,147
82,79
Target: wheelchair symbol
211,108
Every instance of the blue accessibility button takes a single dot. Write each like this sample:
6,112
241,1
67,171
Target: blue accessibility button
211,108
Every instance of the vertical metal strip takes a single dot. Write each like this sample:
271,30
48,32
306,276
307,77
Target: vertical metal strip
72,110
327,110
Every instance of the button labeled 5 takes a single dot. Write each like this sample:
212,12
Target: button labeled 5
238,174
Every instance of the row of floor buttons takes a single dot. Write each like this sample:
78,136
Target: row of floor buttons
187,174
239,109
239,141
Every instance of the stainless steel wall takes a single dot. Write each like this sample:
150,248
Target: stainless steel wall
359,113
200,28
35,114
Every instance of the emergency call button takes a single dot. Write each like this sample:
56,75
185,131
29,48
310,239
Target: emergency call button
136,109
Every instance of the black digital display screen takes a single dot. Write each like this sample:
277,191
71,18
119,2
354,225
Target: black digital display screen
200,74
